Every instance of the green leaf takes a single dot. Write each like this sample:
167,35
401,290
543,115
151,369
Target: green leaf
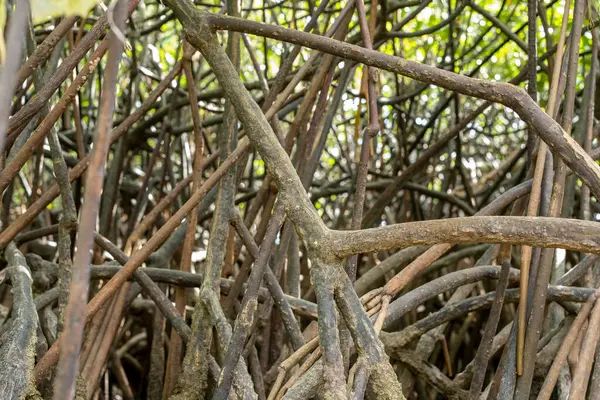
2,24
44,9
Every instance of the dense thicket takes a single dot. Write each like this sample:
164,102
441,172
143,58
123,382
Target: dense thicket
300,199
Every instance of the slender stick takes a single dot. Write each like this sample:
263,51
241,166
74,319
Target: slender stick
16,32
74,321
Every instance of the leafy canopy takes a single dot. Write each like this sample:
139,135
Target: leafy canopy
44,9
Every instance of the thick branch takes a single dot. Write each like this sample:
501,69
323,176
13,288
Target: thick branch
18,349
509,95
295,199
563,233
